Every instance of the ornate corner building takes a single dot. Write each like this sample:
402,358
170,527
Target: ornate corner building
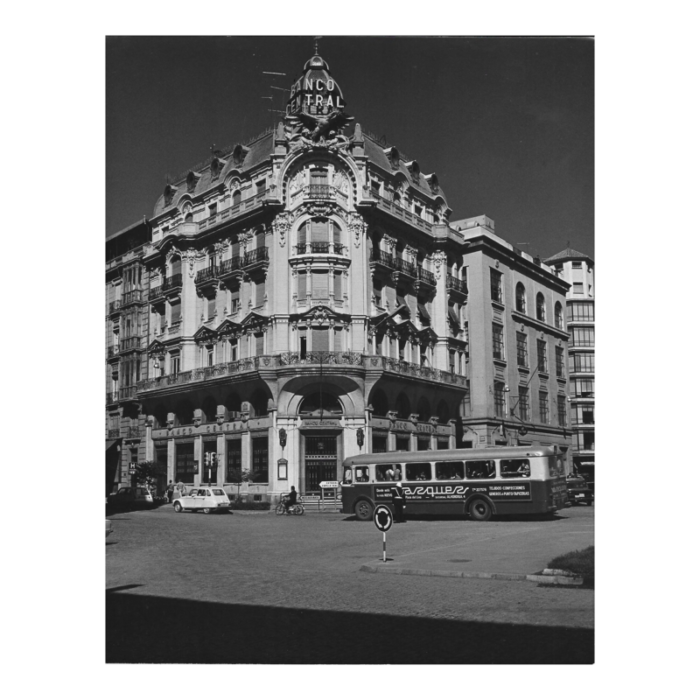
302,297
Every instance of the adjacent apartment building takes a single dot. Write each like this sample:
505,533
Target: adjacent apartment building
578,270
302,297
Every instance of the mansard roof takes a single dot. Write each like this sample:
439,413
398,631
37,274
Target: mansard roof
255,153
377,155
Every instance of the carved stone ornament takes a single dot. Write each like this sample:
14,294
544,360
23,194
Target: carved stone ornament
297,182
391,242
243,239
340,181
439,258
411,252
281,226
190,256
317,208
221,247
357,226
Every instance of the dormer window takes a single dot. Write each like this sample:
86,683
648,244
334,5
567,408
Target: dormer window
216,168
433,183
239,154
393,157
414,169
168,194
192,179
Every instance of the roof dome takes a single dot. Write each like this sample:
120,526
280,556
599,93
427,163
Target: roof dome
315,91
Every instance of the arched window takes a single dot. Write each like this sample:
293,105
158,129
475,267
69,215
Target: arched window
520,301
403,406
320,402
558,316
259,403
423,410
379,403
209,409
540,307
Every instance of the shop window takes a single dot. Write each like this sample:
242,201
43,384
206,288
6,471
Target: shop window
378,443
233,461
260,460
403,443
184,462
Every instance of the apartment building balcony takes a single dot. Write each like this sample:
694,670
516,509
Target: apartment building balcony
115,307
344,361
255,260
242,208
128,344
127,393
134,296
425,277
170,285
318,192
456,286
208,278
321,248
399,212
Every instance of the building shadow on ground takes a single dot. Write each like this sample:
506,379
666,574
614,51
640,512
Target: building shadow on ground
151,629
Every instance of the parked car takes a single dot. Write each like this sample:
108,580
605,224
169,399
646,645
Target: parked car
207,500
109,528
132,497
578,491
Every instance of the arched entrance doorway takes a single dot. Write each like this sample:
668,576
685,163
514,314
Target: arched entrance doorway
320,440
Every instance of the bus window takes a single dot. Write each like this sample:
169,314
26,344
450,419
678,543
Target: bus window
515,468
420,471
482,469
388,472
449,470
361,474
556,466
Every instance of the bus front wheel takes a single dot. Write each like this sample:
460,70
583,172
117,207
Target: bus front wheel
479,510
363,510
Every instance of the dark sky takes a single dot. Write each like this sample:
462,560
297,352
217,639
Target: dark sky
505,123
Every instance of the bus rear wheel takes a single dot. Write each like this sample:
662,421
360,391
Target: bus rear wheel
363,510
479,510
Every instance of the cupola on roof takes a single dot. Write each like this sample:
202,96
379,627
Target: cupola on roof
315,92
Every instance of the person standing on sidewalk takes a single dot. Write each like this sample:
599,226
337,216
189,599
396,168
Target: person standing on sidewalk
169,491
398,499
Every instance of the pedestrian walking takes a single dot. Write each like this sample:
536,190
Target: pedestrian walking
169,491
398,500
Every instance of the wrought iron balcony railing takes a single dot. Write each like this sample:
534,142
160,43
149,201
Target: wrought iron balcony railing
426,276
320,247
258,255
132,297
455,283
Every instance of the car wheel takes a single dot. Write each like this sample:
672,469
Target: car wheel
178,507
479,510
363,510
206,511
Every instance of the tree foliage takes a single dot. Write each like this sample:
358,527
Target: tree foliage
147,473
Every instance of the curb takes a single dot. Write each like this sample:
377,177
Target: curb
560,580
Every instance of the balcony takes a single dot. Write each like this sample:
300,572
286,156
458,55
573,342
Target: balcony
156,292
133,343
400,213
316,192
132,297
232,212
229,268
257,259
327,360
456,285
320,248
207,278
126,393
426,277
172,283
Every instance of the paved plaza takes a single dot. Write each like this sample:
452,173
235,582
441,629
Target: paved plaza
230,587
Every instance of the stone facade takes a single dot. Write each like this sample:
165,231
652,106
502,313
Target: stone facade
301,298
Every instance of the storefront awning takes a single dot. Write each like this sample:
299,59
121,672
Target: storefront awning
112,443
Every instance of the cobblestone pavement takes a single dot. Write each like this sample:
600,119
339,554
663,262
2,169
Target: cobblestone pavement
313,563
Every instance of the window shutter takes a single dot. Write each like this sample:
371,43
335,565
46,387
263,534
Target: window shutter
319,339
319,232
338,286
319,288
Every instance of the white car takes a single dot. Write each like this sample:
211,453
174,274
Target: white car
207,500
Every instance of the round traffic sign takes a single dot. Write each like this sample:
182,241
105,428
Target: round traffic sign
383,518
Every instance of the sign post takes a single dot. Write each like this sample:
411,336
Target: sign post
383,519
328,485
